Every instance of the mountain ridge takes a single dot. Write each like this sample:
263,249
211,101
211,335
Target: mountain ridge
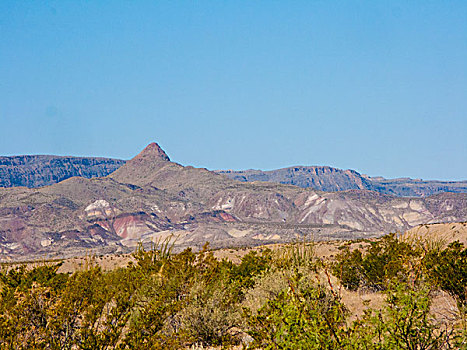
326,178
150,199
40,170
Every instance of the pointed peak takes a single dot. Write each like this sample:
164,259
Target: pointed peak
153,152
139,169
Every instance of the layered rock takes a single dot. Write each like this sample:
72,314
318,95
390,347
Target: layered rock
324,178
42,170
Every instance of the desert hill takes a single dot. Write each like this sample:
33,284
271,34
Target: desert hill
150,198
439,233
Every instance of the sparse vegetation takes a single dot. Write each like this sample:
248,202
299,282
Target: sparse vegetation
273,299
374,267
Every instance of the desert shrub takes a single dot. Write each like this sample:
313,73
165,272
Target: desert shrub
296,255
186,298
212,307
54,311
267,286
22,279
448,270
165,300
251,265
289,308
278,269
164,280
210,313
403,323
303,316
384,260
25,299
349,268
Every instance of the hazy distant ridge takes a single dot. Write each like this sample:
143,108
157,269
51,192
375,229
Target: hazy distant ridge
325,178
41,170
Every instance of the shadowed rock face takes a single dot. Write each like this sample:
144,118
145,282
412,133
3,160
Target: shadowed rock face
42,170
151,198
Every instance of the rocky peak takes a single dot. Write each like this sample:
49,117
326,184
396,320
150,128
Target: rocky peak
152,152
141,169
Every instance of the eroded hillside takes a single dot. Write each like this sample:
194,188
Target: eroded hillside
151,198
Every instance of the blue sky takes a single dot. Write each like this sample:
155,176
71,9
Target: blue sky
376,86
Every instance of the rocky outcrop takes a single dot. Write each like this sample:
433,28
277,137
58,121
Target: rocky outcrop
142,166
42,170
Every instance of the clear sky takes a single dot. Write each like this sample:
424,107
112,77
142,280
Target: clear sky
375,86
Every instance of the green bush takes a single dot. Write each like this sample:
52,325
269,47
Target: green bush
403,323
448,270
383,261
173,301
303,316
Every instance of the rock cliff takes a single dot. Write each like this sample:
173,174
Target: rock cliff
41,170
326,178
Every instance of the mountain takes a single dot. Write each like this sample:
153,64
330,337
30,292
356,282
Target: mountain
43,170
150,198
323,178
326,178
405,187
37,171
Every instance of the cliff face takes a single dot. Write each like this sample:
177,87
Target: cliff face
41,170
417,188
324,178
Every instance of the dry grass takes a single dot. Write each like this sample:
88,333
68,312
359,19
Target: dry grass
105,262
